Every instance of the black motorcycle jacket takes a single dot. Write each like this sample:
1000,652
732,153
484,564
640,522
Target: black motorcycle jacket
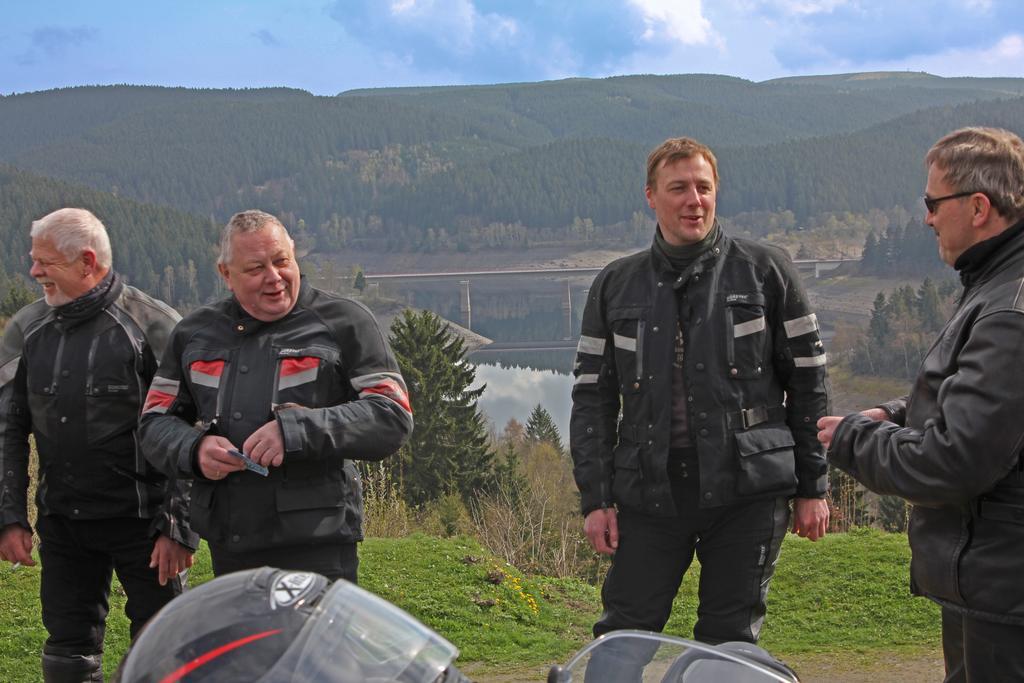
953,447
755,371
324,372
75,377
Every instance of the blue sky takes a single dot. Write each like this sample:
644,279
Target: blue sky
328,46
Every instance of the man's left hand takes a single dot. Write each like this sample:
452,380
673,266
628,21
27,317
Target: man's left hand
169,558
810,517
266,445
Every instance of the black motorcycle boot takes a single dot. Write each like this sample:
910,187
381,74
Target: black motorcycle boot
72,668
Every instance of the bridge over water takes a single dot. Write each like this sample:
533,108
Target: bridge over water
817,266
561,276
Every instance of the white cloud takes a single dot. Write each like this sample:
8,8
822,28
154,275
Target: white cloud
459,26
402,6
1010,47
680,21
1003,59
808,7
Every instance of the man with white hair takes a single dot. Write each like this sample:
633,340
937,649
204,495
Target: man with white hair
74,368
300,381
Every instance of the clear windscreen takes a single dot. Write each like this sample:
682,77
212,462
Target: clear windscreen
357,636
658,658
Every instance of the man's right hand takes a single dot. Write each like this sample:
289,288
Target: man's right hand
214,461
16,545
602,529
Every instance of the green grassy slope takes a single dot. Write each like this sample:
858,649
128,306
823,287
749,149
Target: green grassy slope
845,594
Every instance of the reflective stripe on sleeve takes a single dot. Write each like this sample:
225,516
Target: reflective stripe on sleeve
800,326
389,385
809,361
592,345
162,393
586,379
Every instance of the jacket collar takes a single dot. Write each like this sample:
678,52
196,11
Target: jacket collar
244,323
986,258
662,266
92,302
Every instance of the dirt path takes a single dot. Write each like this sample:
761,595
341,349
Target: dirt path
921,668
917,668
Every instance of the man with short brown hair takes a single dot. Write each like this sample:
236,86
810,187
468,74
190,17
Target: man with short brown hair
699,377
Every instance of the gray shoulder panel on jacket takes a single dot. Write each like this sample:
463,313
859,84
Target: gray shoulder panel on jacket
20,327
155,318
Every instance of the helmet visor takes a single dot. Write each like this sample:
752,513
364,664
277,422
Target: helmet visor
354,635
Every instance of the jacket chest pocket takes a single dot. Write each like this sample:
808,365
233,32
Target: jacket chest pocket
208,371
113,386
113,367
307,376
629,327
746,335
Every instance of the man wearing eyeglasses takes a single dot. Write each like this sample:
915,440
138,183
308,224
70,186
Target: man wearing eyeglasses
953,448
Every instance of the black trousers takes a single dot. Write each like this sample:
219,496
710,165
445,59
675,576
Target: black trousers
737,546
78,560
333,560
976,650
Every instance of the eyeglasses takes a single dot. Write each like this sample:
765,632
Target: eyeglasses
933,203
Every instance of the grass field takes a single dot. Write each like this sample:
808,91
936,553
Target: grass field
846,595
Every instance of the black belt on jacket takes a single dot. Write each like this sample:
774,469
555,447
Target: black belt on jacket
750,417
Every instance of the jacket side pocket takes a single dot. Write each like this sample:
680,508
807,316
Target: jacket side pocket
201,511
767,463
627,482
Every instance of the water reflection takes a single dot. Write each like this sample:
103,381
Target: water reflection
513,392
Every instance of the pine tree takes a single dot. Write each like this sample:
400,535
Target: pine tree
448,450
880,328
929,306
871,260
17,296
540,428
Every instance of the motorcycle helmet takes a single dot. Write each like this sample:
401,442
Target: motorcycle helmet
276,626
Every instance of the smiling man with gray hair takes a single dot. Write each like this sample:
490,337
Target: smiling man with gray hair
301,382
74,368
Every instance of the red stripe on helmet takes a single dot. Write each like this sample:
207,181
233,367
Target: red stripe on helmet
202,660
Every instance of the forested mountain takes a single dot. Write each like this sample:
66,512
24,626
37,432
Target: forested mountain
881,166
602,180
463,167
166,252
720,110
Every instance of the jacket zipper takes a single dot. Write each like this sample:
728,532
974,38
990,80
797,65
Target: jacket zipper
640,350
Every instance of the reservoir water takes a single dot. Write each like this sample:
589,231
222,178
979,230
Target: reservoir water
513,392
520,309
